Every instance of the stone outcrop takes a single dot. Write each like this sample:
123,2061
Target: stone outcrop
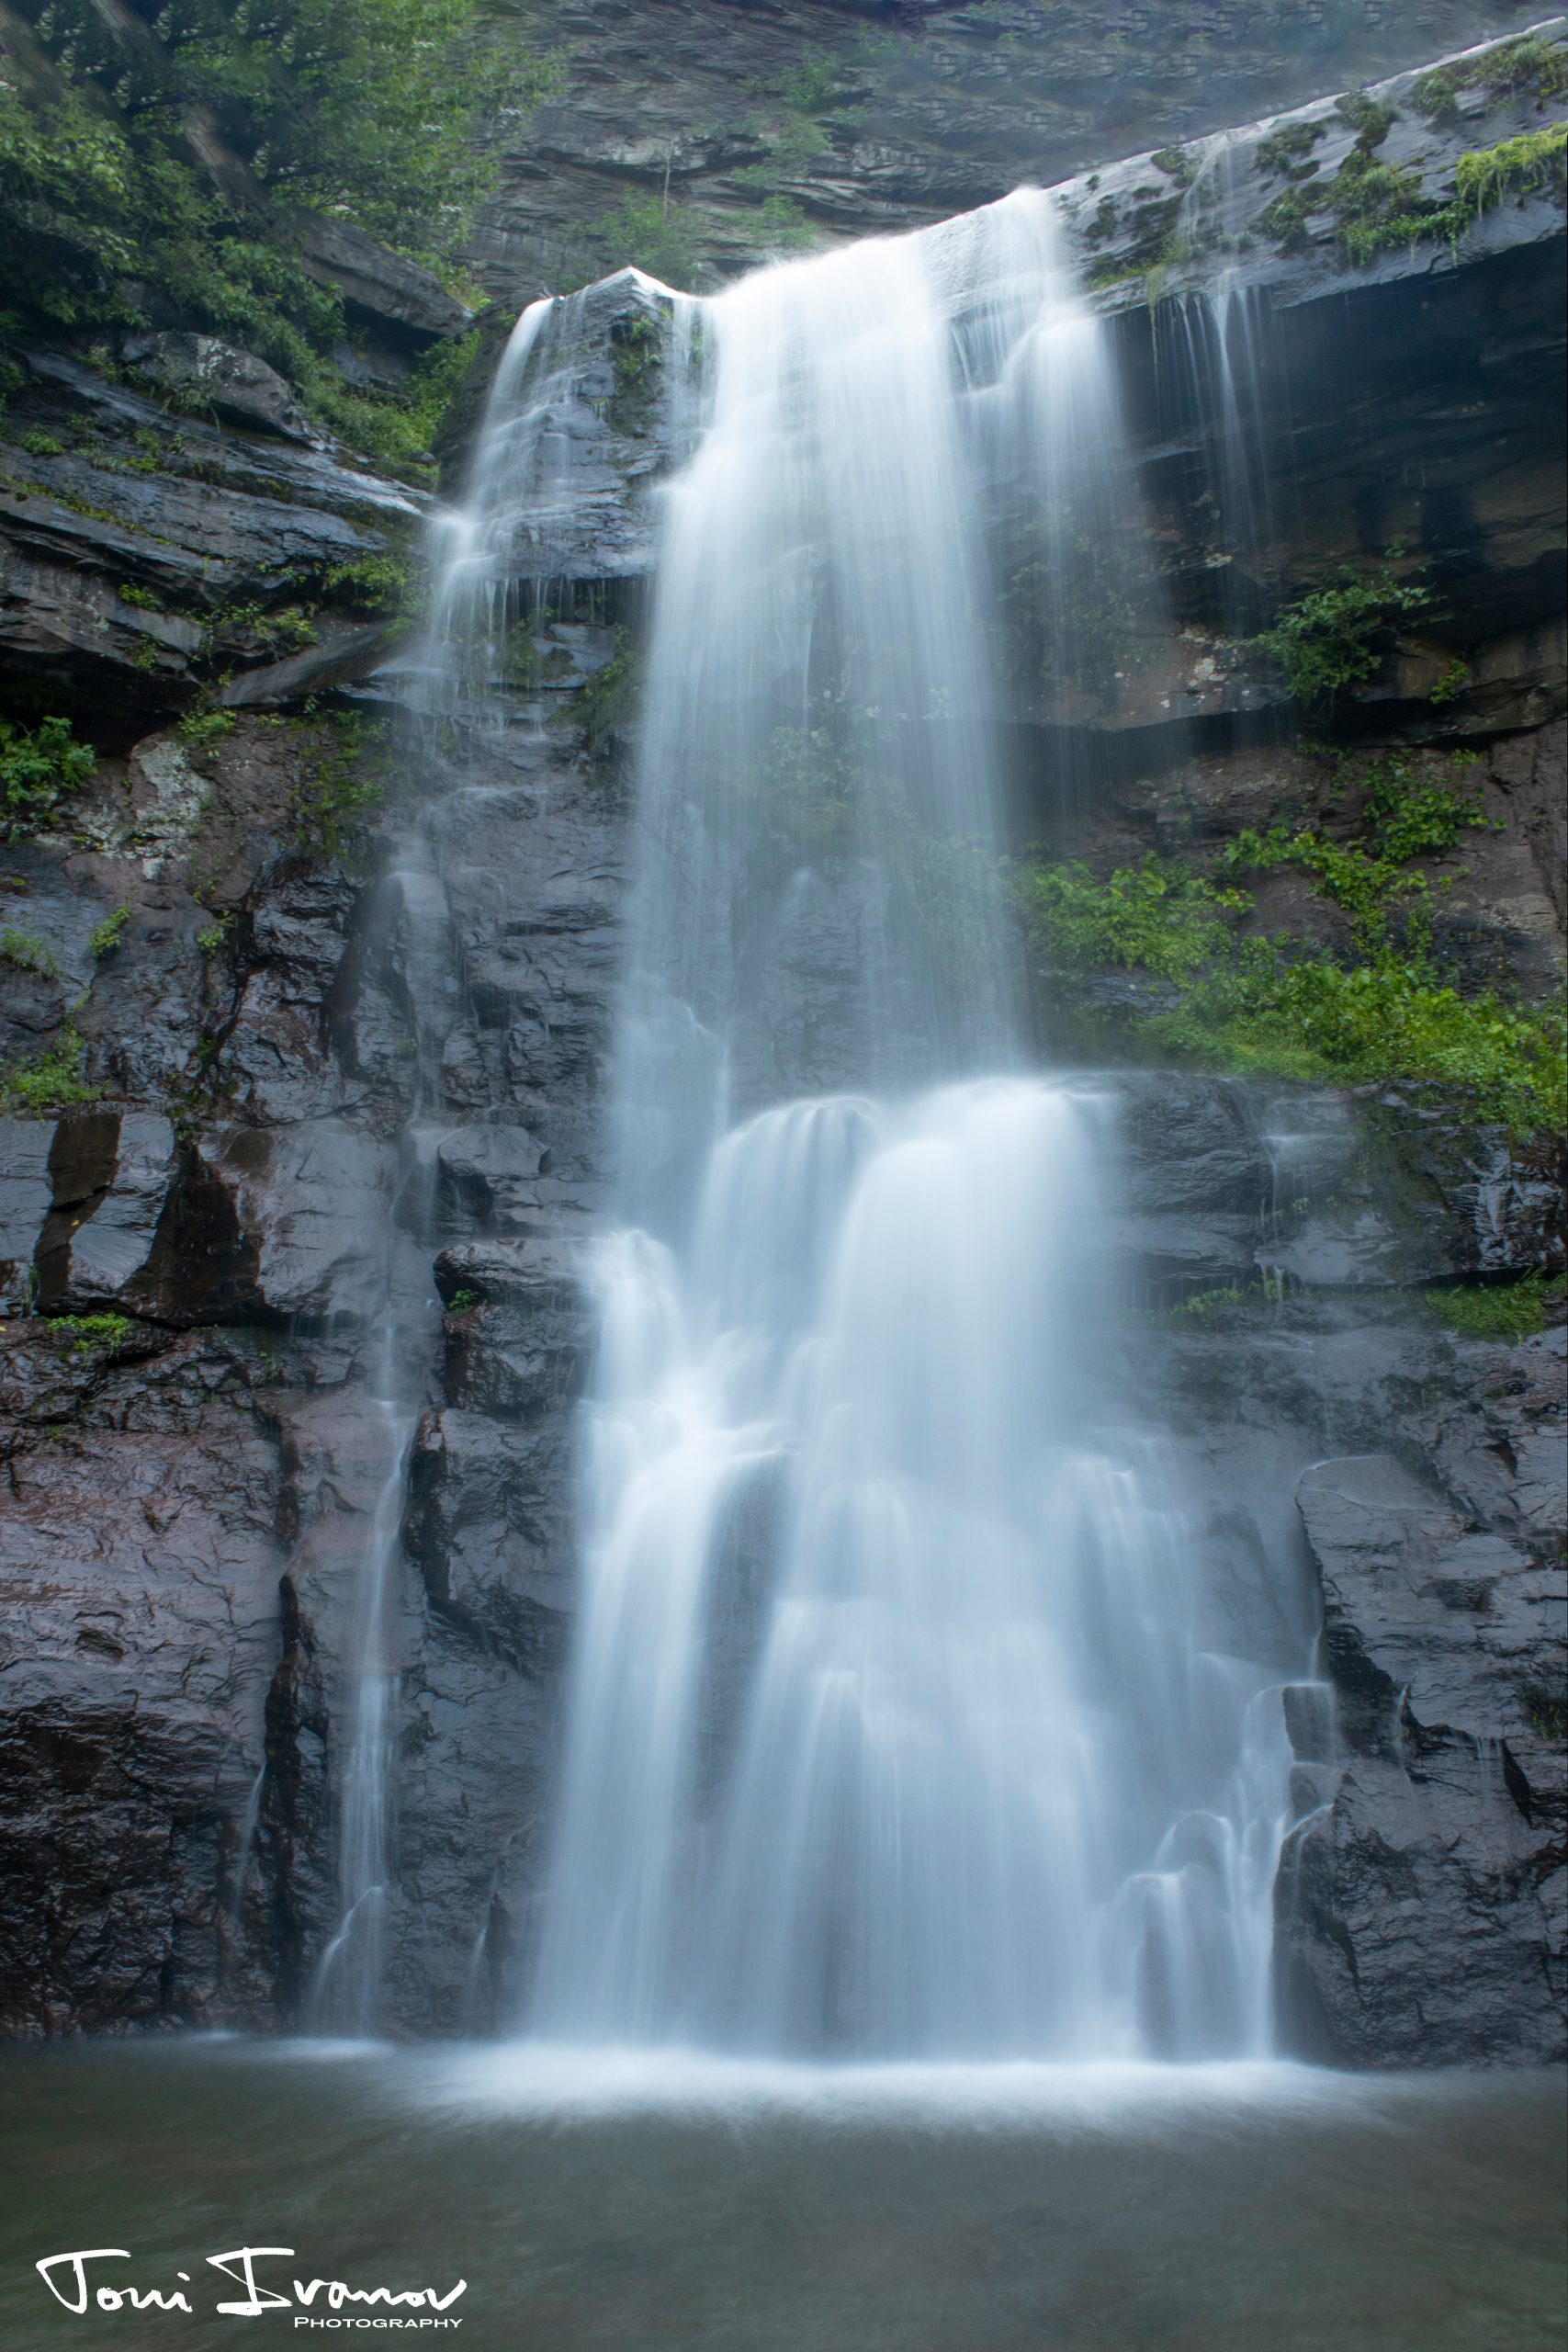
146,553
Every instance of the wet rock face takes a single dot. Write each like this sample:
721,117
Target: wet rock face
318,1077
873,114
1421,1913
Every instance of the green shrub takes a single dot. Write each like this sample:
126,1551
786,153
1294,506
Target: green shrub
361,109
379,585
40,768
341,782
1336,636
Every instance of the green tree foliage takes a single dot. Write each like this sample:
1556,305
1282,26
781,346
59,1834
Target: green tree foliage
157,163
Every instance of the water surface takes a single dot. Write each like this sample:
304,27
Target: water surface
655,2205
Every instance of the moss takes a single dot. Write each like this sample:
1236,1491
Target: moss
38,444
1527,63
1534,164
1497,1310
1287,153
1336,636
1176,164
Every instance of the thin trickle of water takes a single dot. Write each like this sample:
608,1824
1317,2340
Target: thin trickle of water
896,1724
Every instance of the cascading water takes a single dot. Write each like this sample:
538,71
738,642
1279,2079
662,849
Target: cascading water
893,1727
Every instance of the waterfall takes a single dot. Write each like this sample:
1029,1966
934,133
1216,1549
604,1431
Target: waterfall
897,1723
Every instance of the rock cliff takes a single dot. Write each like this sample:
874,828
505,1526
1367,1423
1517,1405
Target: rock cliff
317,1002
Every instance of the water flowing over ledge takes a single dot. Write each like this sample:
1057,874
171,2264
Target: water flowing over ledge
898,1722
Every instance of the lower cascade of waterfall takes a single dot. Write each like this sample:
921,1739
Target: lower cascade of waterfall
891,1732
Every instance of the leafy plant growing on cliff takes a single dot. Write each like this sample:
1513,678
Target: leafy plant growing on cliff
49,1080
1336,636
1250,1001
40,767
1497,1310
28,951
105,935
83,1333
342,780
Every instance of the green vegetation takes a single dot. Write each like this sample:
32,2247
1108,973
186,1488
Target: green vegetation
1527,63
1549,1717
1498,1311
341,781
27,952
1379,207
105,935
83,1333
38,444
211,940
142,600
1336,636
647,233
51,1081
1286,153
1531,165
200,729
160,161
379,586
1237,999
603,698
40,768
463,1302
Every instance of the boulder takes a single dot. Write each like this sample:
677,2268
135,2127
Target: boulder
393,292
200,372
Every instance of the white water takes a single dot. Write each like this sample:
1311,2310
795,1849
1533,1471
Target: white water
894,1728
